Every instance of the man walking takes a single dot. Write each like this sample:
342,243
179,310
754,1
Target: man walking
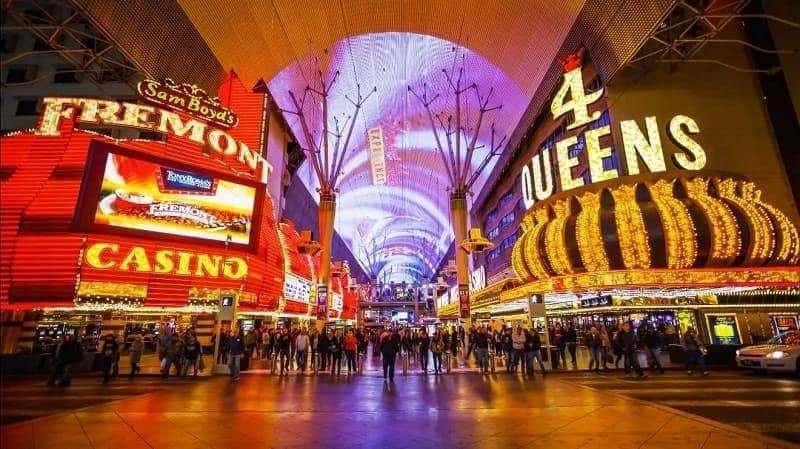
390,346
518,344
693,350
627,341
237,349
301,344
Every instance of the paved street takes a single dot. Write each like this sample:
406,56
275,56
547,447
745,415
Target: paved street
764,403
458,410
26,399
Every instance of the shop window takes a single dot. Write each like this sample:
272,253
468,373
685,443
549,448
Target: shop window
26,107
65,75
508,242
18,74
492,215
493,233
8,42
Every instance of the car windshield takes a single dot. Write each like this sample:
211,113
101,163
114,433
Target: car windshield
790,338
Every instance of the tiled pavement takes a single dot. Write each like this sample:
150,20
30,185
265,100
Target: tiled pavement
464,410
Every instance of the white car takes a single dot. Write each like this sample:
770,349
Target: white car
779,354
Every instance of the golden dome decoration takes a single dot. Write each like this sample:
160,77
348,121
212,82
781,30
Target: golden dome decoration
672,221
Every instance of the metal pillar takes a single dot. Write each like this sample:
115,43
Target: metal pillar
327,214
458,211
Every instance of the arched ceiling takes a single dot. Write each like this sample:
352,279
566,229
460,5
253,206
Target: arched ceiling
401,230
259,38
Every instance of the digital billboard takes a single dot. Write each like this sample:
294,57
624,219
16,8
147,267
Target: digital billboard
141,195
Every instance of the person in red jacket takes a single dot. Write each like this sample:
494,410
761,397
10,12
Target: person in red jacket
350,348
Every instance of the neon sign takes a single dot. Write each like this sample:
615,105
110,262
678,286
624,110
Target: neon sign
538,178
187,98
107,256
149,118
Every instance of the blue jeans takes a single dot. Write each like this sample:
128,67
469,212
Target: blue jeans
692,357
482,354
595,355
301,359
233,364
529,358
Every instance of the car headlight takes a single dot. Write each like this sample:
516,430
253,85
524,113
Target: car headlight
777,355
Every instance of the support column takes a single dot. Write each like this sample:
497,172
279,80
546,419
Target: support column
327,214
458,211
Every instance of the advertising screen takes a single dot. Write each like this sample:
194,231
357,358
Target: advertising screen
146,196
723,329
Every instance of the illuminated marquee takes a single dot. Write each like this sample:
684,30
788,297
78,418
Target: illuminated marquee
537,178
187,98
107,256
148,118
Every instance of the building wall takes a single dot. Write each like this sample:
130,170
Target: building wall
726,104
277,138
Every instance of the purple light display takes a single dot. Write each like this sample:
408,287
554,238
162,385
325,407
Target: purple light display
399,230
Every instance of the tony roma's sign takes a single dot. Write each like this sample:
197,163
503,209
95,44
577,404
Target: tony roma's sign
537,177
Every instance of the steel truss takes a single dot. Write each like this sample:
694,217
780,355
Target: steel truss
70,35
691,25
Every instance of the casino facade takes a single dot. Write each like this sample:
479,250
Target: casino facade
100,234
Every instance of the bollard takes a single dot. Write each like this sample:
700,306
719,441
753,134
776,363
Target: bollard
273,363
405,364
491,362
315,362
448,361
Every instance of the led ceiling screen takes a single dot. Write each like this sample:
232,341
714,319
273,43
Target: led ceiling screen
396,223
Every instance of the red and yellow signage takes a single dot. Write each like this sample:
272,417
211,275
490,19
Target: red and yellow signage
189,99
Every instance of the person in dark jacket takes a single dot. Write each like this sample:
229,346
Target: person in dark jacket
336,348
68,352
571,339
533,350
324,347
595,345
237,349
627,342
109,352
283,348
481,344
693,351
652,343
424,347
191,355
390,346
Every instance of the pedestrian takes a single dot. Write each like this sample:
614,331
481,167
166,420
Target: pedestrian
437,349
389,347
237,349
324,350
283,350
314,338
518,344
135,354
616,349
301,344
424,347
627,342
481,342
533,350
250,341
109,351
694,351
508,348
571,339
560,342
594,342
350,348
68,351
606,345
336,348
651,342
192,352
172,356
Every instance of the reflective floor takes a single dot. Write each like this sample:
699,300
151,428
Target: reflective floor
457,410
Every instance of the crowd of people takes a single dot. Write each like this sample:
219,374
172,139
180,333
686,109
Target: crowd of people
518,349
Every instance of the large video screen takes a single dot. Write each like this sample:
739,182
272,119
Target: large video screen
146,196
